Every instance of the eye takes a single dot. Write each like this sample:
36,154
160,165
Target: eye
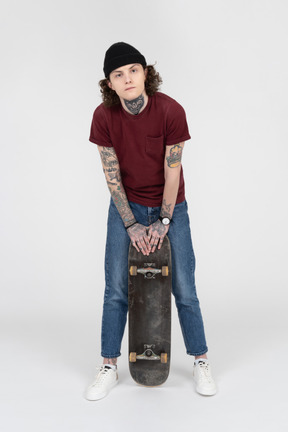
134,70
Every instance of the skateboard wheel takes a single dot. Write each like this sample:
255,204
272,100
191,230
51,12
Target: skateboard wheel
132,357
165,270
133,271
163,357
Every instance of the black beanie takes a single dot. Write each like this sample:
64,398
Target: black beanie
121,54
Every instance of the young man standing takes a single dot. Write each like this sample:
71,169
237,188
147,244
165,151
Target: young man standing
140,134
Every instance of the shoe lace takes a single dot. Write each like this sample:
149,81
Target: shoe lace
101,375
205,374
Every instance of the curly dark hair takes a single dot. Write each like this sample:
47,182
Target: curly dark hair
152,85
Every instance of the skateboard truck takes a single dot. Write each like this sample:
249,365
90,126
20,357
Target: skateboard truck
148,354
149,272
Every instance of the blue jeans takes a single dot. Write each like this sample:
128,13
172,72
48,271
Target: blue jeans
183,282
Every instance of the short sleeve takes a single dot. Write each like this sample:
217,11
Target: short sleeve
99,132
177,128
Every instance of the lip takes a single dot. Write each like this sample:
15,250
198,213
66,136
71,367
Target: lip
129,88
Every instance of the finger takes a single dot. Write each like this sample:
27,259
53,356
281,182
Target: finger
146,239
146,246
156,240
135,245
143,246
138,245
160,243
149,237
149,233
155,244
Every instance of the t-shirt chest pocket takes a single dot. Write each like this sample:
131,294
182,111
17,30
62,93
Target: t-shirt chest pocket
155,147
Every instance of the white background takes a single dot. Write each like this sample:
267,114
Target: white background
226,63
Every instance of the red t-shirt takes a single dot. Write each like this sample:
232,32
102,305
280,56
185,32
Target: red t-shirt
139,142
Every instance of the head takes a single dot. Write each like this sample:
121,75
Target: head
128,81
127,75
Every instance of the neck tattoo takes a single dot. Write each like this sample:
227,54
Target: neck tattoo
135,105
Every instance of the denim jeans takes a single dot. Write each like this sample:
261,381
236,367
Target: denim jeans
183,281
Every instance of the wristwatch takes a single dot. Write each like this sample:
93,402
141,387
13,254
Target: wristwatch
165,220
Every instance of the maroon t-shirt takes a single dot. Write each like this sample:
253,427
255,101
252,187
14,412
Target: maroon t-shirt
139,142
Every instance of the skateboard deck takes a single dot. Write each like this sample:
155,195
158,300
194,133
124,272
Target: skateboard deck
149,296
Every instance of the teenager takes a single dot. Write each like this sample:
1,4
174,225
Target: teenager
140,133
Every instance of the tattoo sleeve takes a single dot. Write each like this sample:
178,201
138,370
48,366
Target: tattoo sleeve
172,168
112,173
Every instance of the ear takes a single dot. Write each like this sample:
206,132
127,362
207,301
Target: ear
145,72
109,84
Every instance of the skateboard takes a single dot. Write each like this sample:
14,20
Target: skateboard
149,299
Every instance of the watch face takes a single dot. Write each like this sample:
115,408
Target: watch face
165,221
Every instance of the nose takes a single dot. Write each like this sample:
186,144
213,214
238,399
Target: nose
127,78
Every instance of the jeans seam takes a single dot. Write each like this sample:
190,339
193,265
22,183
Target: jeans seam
107,287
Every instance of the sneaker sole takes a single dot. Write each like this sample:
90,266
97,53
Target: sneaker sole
204,393
100,395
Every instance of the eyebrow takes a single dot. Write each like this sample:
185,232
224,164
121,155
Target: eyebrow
118,71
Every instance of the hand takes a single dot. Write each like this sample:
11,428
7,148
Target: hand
156,234
139,238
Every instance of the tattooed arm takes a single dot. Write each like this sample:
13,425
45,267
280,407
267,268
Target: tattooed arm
111,168
172,169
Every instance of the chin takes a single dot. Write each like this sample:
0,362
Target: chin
132,95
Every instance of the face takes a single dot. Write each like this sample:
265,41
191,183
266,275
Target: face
128,81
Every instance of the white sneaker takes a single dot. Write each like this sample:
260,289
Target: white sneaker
205,384
104,381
